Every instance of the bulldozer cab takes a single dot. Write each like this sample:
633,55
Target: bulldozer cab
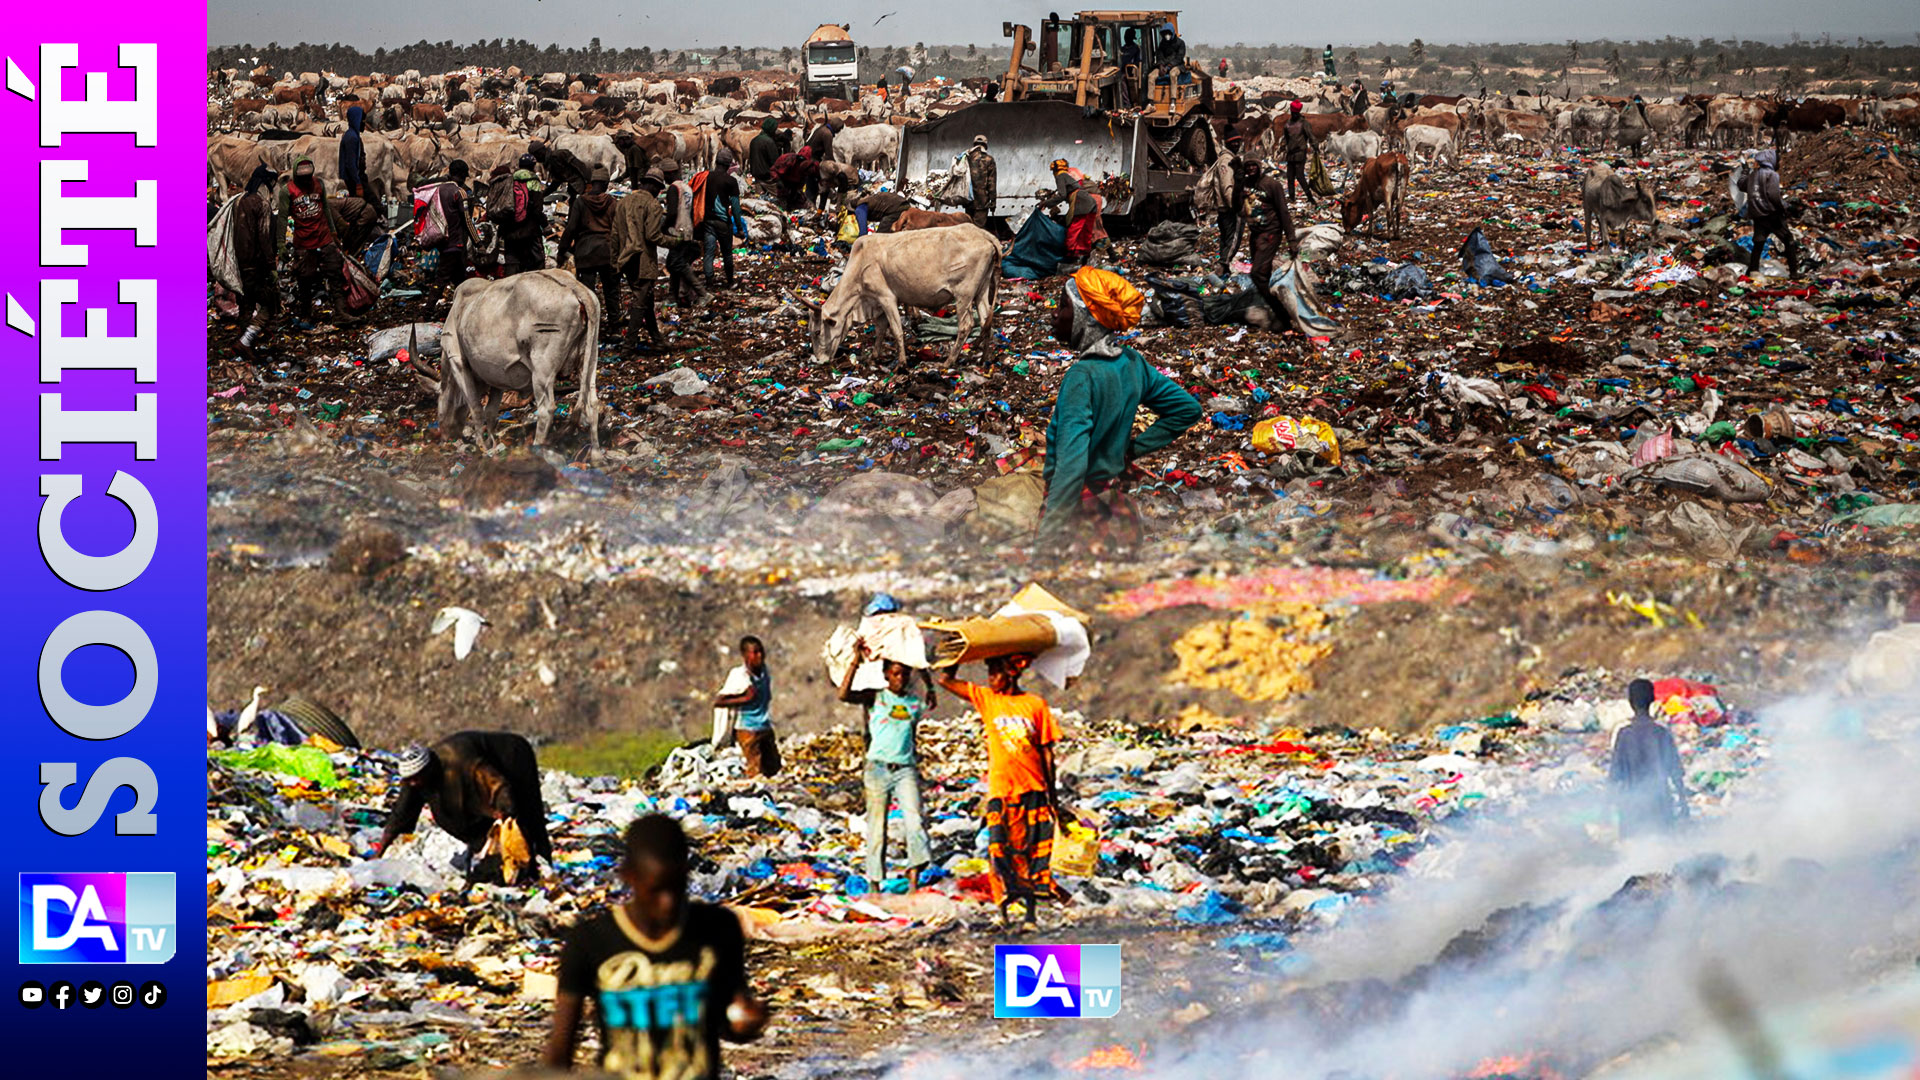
1104,60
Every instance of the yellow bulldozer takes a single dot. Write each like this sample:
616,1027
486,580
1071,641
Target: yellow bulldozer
1090,89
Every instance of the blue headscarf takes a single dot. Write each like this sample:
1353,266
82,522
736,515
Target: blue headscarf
881,604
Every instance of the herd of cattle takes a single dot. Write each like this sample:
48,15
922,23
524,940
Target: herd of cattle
417,124
1438,126
524,333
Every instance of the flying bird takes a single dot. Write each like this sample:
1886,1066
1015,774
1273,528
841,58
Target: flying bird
888,15
466,626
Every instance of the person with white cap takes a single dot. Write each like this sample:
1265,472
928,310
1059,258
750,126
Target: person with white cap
471,780
985,175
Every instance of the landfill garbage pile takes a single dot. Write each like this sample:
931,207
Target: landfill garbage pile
1555,394
1218,835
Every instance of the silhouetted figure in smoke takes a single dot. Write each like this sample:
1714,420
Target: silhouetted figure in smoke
1649,784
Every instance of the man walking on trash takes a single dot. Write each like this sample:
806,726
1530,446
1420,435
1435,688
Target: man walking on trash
316,244
985,180
253,252
892,762
1649,783
638,229
1298,140
1768,212
1262,202
471,781
1090,440
1022,802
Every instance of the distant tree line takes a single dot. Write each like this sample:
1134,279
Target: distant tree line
1670,63
953,61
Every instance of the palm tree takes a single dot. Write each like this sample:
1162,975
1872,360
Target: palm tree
786,55
1353,62
1387,66
1666,71
1475,74
972,51
1306,59
1688,68
1416,52
1615,65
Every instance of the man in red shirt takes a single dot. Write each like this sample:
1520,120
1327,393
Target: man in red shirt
316,247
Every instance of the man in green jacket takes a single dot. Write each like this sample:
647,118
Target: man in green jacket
763,151
1090,440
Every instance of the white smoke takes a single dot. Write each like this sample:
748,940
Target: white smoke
1803,887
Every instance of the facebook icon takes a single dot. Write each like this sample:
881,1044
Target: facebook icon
1056,981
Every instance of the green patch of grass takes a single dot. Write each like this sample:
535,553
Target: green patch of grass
620,754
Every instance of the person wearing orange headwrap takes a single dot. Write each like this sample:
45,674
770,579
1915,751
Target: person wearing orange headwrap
1090,440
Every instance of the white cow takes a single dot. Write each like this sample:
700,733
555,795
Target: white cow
519,333
1437,142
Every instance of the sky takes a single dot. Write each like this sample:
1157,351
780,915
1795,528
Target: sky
367,24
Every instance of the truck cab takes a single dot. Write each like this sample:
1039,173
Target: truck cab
830,64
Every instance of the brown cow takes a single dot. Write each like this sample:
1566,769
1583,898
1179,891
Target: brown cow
1379,188
248,105
424,113
1323,124
927,219
1428,100
293,95
1907,120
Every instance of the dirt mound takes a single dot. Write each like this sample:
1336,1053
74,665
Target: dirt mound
1853,162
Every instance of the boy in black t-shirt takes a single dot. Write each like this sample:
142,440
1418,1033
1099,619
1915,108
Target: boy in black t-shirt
667,975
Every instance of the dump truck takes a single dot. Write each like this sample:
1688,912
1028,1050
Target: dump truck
830,64
1086,89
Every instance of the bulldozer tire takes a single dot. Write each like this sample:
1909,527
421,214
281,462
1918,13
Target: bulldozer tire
313,718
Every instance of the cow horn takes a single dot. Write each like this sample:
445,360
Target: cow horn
814,304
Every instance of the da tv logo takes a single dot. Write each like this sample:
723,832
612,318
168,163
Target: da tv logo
1056,981
96,918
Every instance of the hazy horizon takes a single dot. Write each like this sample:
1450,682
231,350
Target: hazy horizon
572,23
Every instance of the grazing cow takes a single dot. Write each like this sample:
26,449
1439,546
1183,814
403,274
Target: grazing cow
1903,120
929,269
925,219
1438,143
1607,200
1726,114
1667,121
1808,116
1429,100
423,113
1324,124
1521,125
519,333
873,146
1596,120
1379,189
1353,147
725,86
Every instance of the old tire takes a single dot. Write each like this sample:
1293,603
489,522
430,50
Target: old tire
314,718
